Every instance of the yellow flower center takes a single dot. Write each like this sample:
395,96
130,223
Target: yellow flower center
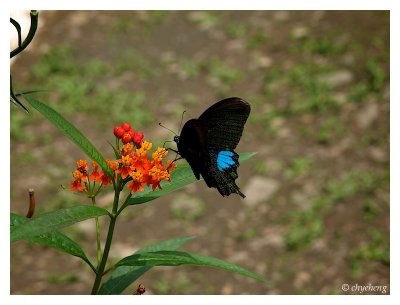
146,146
127,149
159,154
126,160
136,176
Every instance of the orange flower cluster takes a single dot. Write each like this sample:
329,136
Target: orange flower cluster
133,165
81,175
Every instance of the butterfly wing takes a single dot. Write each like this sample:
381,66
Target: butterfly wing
225,121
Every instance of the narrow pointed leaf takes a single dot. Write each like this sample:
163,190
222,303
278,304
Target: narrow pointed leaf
72,133
53,221
123,276
30,92
180,177
55,239
177,258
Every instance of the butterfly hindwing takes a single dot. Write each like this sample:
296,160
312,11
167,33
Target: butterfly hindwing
223,170
208,144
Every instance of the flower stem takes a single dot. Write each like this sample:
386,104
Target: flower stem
125,204
100,269
97,235
107,246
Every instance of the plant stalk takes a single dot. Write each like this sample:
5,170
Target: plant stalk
107,246
97,235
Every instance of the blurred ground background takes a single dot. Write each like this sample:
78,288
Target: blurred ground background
317,208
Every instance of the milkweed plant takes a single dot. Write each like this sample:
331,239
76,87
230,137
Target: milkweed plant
138,173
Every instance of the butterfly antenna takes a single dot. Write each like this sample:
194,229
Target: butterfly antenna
167,128
183,113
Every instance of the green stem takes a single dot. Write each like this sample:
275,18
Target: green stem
97,235
107,246
125,204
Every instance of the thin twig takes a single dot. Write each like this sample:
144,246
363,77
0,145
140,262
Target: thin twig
18,28
31,203
32,31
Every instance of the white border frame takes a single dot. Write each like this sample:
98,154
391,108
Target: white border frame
394,8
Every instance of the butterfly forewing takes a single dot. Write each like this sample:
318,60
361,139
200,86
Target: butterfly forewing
225,121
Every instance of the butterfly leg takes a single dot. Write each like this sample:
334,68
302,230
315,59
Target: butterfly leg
171,149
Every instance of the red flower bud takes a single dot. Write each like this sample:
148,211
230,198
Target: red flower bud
126,126
138,137
118,131
132,133
126,138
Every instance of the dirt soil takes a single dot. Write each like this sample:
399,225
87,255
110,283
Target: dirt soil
316,214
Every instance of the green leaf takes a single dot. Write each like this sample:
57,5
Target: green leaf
123,276
180,177
53,239
72,133
177,258
53,221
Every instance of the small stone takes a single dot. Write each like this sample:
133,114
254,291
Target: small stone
272,239
262,61
340,98
367,115
299,32
302,279
338,78
378,154
227,289
281,15
187,208
235,45
259,189
239,257
348,59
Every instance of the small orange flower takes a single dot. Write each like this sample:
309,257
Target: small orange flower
76,185
112,164
78,175
146,146
95,175
126,168
159,154
137,182
104,179
127,149
155,175
82,166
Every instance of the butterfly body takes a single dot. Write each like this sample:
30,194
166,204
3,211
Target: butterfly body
208,144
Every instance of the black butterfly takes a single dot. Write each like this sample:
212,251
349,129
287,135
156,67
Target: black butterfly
208,144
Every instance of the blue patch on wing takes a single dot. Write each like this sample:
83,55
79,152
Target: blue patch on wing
225,160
